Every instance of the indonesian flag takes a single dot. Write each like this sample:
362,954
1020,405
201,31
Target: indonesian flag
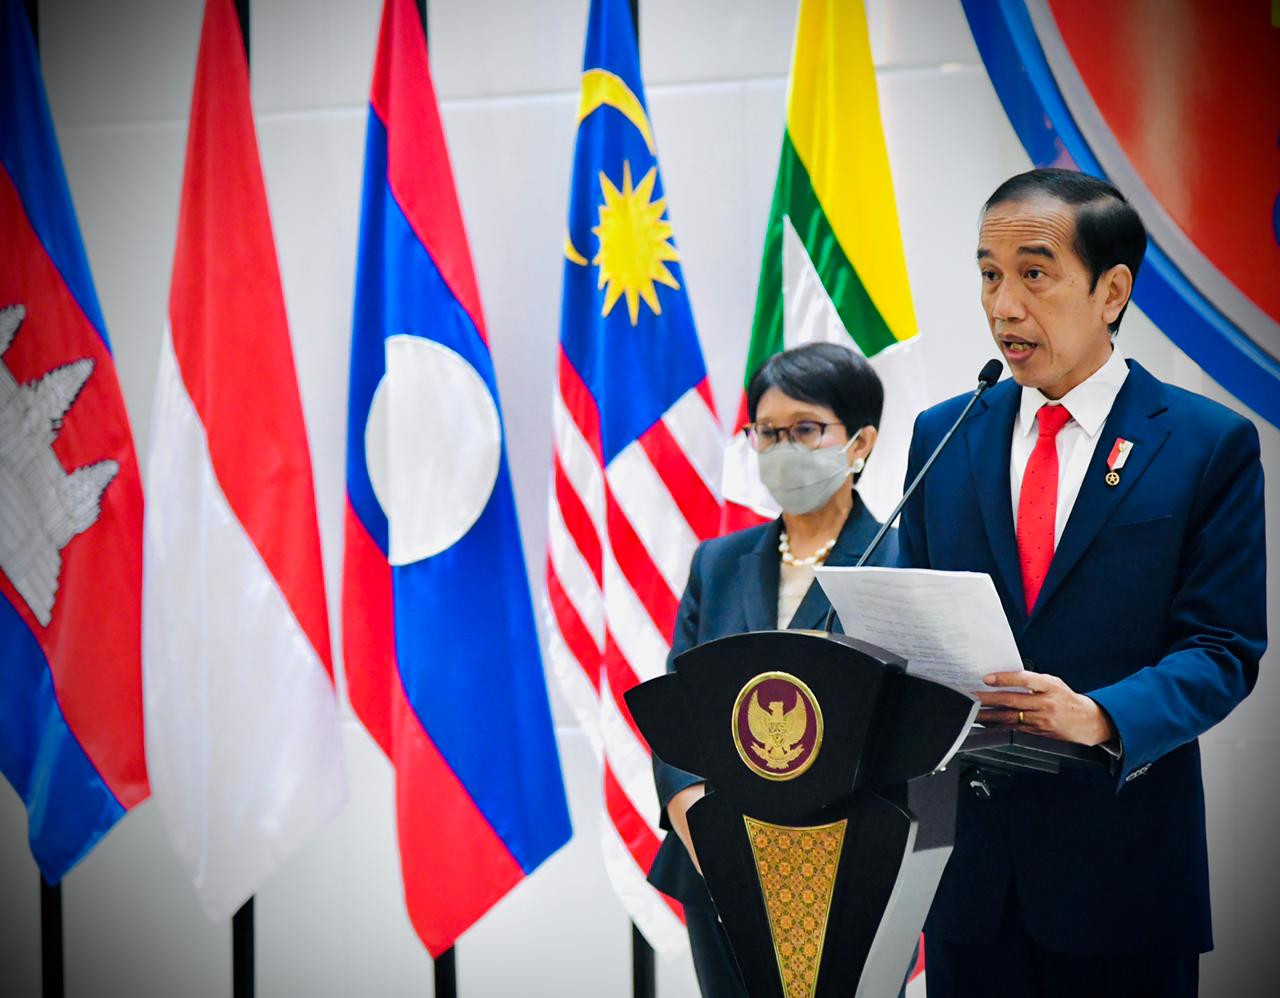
241,721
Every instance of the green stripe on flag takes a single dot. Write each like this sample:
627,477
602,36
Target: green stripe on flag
794,196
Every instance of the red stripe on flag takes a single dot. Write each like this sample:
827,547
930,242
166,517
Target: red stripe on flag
368,630
449,885
621,678
734,517
743,416
580,405
419,173
640,571
578,522
704,389
635,832
688,490
230,333
575,633
93,641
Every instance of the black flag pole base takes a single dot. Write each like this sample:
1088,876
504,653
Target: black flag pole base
242,973
51,965
446,970
644,981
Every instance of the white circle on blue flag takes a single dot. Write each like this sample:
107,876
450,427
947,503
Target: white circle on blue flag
433,444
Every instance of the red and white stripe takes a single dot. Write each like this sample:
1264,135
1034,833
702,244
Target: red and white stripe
242,736
619,543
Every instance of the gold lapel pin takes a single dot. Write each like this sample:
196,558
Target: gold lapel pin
1116,459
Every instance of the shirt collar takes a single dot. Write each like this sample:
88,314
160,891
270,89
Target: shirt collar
1089,402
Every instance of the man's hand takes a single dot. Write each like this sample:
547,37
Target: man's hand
1051,708
678,812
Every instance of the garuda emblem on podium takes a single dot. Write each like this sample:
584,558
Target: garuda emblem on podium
777,726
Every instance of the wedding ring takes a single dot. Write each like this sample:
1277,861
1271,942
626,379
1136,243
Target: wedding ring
1019,717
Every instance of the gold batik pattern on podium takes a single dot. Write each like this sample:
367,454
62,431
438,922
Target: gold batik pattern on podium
797,871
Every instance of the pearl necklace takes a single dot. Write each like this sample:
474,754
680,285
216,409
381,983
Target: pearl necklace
817,558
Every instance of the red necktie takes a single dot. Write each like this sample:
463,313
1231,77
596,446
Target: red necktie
1038,503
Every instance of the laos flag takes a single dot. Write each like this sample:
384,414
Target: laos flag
70,502
441,653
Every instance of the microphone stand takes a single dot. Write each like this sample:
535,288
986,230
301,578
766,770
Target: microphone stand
989,375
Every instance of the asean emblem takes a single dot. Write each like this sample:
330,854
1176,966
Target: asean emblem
777,726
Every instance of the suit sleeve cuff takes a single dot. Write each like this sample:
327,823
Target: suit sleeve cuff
670,781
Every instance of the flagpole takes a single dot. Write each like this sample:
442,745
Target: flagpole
243,972
444,966
242,962
643,972
51,962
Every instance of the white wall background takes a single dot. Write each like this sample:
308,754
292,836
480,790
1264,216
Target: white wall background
119,80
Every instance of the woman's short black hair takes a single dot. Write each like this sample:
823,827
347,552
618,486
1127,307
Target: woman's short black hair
1108,229
822,374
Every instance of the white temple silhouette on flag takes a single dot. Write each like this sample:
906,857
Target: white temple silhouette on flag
41,506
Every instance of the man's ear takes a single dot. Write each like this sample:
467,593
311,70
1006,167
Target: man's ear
1115,286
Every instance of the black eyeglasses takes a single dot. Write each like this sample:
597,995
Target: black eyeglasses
805,432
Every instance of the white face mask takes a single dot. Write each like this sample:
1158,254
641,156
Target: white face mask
802,480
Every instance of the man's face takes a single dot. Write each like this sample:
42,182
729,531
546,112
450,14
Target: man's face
1050,327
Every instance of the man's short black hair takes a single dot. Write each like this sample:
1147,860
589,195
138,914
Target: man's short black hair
822,374
1108,229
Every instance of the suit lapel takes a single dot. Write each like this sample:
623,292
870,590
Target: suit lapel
1132,417
855,535
759,575
988,435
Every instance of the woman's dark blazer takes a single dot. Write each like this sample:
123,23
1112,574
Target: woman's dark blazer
733,588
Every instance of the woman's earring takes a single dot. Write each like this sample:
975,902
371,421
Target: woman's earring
858,465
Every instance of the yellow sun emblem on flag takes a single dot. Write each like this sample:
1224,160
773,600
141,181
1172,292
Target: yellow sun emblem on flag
634,244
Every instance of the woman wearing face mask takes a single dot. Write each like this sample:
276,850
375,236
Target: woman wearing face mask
813,414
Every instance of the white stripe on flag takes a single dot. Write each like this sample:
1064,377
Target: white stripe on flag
809,314
243,747
901,369
640,899
696,429
631,626
574,684
579,462
574,575
630,761
643,496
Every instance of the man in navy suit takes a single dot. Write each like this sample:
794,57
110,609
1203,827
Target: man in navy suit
1121,520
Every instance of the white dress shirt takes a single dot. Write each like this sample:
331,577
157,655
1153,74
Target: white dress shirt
1089,403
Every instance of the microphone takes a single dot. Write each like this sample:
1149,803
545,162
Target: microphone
987,377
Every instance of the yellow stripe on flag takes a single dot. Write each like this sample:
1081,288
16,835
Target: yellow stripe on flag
833,118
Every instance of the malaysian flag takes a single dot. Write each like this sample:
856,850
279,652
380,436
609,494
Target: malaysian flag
637,450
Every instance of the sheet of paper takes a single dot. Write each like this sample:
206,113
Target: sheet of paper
949,626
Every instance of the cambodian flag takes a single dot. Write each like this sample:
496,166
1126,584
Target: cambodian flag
70,502
441,654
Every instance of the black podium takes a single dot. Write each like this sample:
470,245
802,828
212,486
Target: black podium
830,811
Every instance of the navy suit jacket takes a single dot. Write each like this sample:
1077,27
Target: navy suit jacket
1154,605
732,589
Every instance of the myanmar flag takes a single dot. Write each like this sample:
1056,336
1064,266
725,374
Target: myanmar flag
833,267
